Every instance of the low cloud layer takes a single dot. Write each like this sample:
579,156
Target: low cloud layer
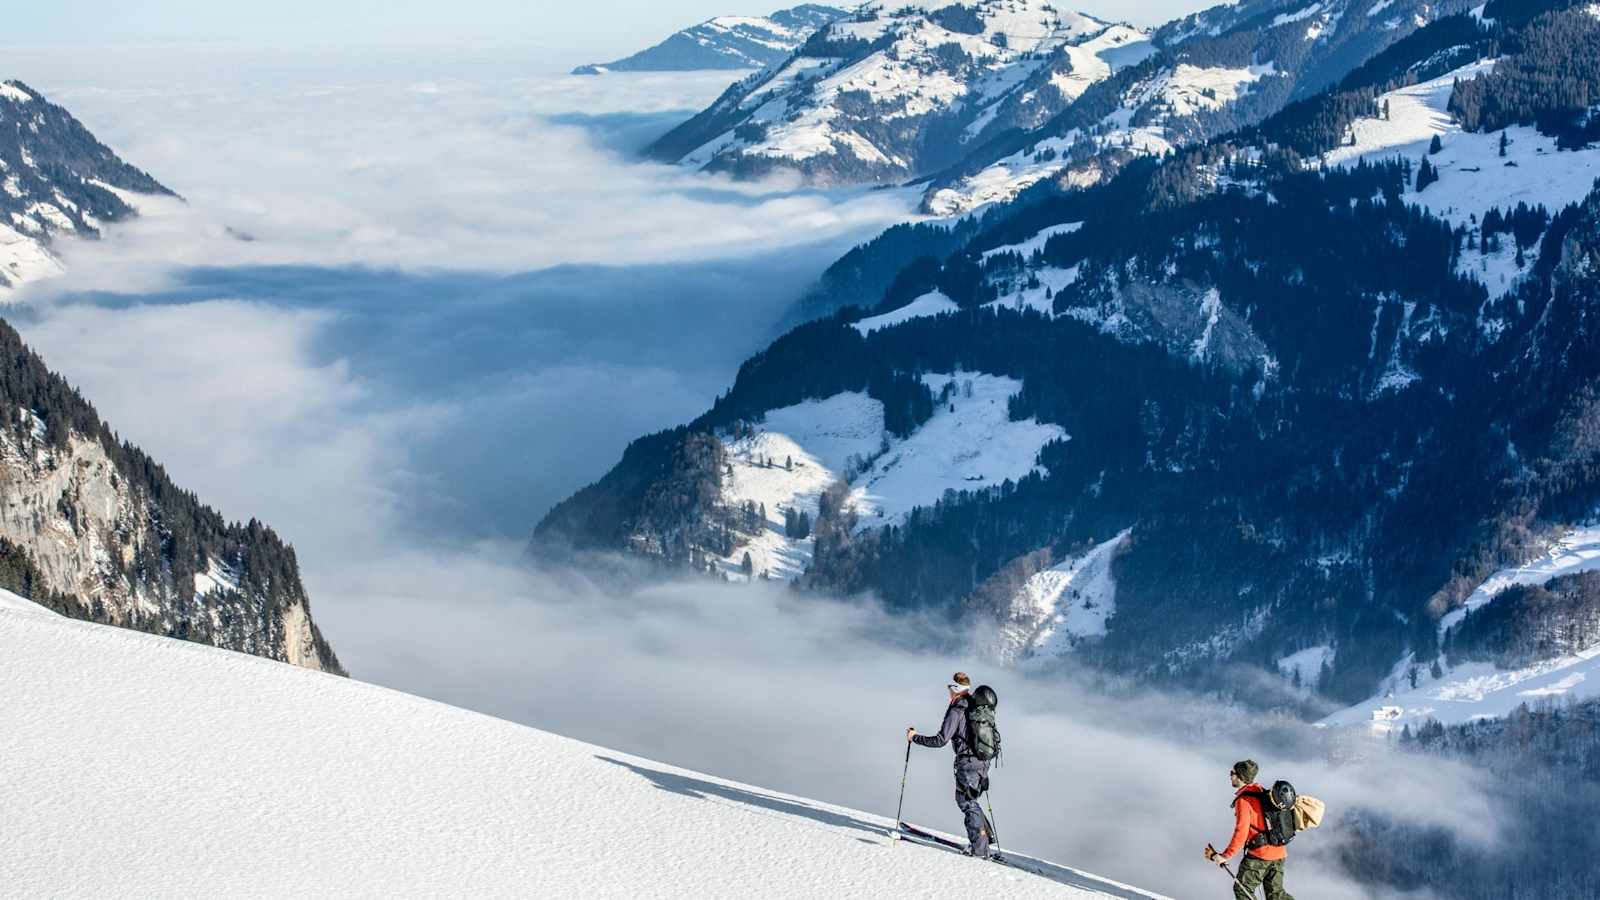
381,377
484,162
464,246
812,698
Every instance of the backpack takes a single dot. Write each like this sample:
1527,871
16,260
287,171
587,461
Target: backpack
981,731
1278,805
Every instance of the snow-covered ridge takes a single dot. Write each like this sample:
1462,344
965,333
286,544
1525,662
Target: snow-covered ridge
930,304
55,180
264,780
727,42
1141,125
827,116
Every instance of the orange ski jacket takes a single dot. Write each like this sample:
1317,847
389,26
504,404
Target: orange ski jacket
1248,821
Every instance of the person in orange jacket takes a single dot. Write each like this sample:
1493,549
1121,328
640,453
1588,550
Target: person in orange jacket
1263,863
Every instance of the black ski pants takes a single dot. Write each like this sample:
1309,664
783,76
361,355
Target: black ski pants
972,779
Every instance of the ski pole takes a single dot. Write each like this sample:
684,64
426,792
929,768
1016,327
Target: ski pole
994,837
902,806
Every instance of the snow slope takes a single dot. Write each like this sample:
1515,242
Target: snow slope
150,767
1479,690
970,443
1473,177
811,445
929,304
1063,605
17,603
1140,125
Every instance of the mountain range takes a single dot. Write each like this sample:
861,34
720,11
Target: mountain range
726,42
982,99
1277,400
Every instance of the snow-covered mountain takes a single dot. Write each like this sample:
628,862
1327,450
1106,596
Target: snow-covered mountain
989,97
347,789
1281,398
727,42
1215,71
895,90
56,180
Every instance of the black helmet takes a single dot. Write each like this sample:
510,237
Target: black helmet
985,696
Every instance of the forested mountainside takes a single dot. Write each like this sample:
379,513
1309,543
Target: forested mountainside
984,98
55,179
1282,400
93,528
726,42
1543,765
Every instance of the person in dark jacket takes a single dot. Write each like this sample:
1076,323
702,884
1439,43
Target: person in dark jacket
972,773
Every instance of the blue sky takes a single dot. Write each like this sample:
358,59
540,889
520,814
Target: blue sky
565,27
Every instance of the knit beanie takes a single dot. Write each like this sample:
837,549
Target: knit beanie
1246,769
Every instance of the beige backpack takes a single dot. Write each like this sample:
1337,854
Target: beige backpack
1308,812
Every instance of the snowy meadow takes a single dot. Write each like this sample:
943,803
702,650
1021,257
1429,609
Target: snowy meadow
409,303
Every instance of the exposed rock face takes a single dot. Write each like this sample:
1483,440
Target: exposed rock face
94,529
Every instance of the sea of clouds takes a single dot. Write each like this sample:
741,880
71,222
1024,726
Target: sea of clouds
410,302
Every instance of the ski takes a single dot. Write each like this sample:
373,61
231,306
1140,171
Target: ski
929,839
919,835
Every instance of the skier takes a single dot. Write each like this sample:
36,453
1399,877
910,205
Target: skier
972,773
1263,863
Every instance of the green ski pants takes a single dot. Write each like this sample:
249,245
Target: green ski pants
1254,873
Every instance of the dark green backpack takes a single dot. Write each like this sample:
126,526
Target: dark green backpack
981,730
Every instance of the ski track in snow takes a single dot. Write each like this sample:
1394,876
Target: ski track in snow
151,767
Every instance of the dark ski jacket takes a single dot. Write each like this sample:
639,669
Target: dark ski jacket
953,730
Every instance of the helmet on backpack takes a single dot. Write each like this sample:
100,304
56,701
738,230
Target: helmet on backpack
985,696
1278,811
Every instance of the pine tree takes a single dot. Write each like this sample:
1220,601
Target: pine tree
1426,175
1503,142
1435,145
747,565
